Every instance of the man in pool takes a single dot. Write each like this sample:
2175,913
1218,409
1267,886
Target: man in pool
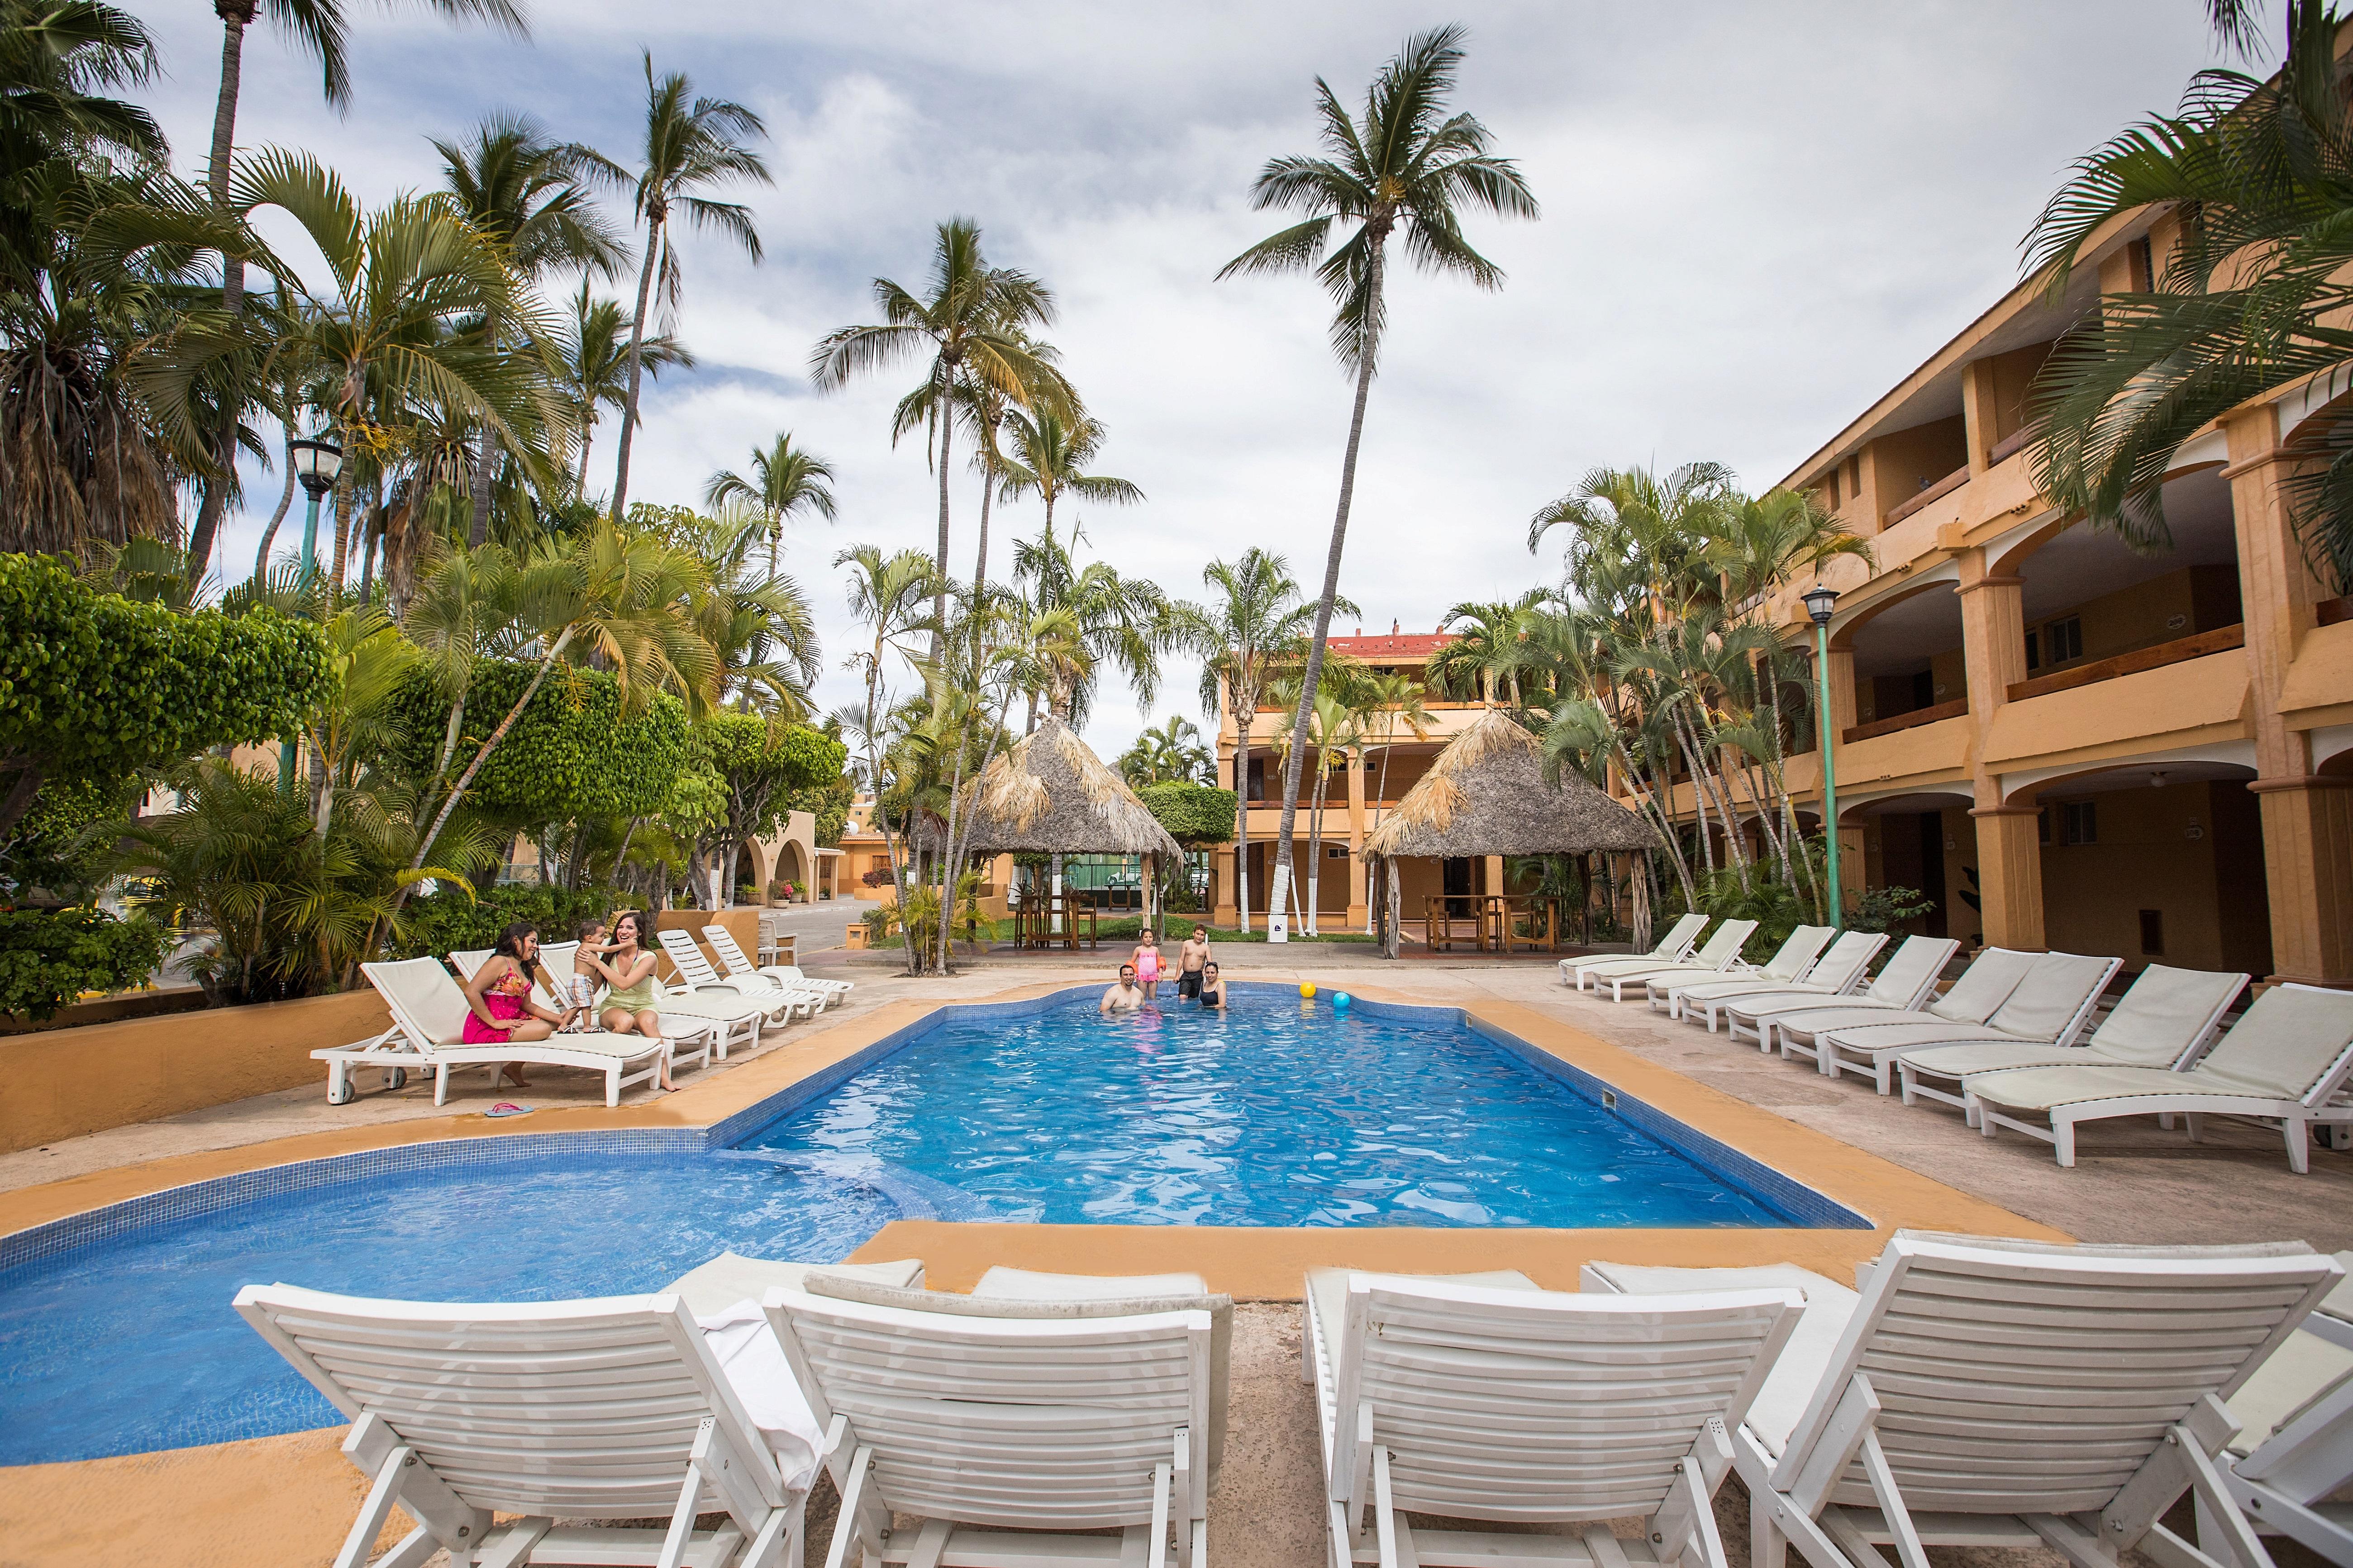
1213,986
1124,997
1189,960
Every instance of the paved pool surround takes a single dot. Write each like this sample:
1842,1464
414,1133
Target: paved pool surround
257,1498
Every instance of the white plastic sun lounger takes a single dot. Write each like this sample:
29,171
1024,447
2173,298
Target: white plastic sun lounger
557,960
715,1027
429,1015
695,974
1975,996
2163,1020
1673,948
1022,1415
786,975
596,1411
2049,1008
2285,1062
1788,966
1850,948
1834,973
1720,956
1906,981
2295,1450
1992,1392
1482,1398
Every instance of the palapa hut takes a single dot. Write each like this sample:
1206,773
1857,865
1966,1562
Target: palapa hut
1050,794
1486,793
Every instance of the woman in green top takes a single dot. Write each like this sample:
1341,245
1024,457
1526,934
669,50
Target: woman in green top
628,970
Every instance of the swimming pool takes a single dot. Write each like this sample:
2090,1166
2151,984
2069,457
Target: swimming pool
117,1337
1279,1112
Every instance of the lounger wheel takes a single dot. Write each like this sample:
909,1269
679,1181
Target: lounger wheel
341,1092
395,1078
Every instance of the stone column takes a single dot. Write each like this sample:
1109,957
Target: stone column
2010,849
1359,893
2307,820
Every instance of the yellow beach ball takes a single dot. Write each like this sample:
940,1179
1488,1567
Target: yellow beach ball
1305,990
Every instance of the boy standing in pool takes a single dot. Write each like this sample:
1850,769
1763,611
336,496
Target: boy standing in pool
1191,959
1124,997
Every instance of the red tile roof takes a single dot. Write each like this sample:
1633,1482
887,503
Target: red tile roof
1405,645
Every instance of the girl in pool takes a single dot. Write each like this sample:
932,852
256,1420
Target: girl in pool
1146,959
628,970
499,1007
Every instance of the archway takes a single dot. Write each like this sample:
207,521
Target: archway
1924,841
1908,663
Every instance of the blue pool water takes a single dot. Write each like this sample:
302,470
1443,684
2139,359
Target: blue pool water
133,1346
1276,1113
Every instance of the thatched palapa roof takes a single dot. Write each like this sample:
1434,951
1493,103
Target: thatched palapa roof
1050,794
1486,793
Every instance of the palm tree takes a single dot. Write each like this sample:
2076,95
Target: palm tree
1172,753
745,609
975,321
785,480
1254,622
1394,700
886,597
319,30
1127,622
528,195
1405,168
591,353
1488,652
1048,453
691,145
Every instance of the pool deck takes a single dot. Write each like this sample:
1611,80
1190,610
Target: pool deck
288,1499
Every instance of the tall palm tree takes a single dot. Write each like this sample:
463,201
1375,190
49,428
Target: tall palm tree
1396,700
1127,622
976,321
591,352
745,609
785,480
528,194
691,145
886,597
1048,454
1488,652
320,28
1405,168
1171,754
1254,621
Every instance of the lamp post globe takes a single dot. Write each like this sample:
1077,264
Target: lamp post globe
1820,600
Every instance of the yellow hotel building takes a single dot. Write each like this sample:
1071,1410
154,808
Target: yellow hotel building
2065,743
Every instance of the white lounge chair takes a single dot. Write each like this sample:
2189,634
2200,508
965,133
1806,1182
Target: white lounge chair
1975,996
1482,1398
2163,1020
681,1018
2008,1394
1720,954
695,974
1673,948
1834,973
1906,981
2049,1008
599,1411
2295,1448
1786,967
1019,1415
2285,1062
786,975
428,1033
556,961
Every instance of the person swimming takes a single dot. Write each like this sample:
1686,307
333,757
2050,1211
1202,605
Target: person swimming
1124,997
1213,986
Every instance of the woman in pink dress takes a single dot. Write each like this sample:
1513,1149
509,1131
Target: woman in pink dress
498,999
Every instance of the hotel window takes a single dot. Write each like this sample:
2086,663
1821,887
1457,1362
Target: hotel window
1336,852
2064,640
2152,932
2141,266
2079,823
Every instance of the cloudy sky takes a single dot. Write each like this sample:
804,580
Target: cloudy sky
1755,219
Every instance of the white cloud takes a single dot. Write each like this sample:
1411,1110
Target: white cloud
1756,218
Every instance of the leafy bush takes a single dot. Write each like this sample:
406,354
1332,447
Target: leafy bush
1884,908
48,957
447,920
573,753
96,687
1193,813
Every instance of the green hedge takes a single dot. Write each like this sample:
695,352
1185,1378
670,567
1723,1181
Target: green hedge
48,957
1193,813
573,753
446,921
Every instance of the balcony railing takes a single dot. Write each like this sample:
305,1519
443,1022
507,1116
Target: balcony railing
2222,639
1943,487
1912,721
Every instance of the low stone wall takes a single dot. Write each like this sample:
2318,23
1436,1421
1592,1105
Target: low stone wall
63,1083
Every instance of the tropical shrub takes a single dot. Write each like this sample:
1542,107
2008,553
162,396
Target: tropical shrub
1192,812
96,687
1884,908
448,920
48,957
573,751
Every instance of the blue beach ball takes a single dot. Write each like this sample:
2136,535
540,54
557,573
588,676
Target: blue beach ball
1340,1000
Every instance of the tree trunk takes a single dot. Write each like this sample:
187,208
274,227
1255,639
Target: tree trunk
483,458
637,366
1245,713
1315,844
1314,672
940,597
235,19
285,501
345,484
987,491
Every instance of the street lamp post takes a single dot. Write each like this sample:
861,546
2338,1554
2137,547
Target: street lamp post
317,464
1819,602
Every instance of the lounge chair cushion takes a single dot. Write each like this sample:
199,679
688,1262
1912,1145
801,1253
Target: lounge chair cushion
1327,1288
1003,1284
1804,1361
1057,1298
2147,1026
731,1278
